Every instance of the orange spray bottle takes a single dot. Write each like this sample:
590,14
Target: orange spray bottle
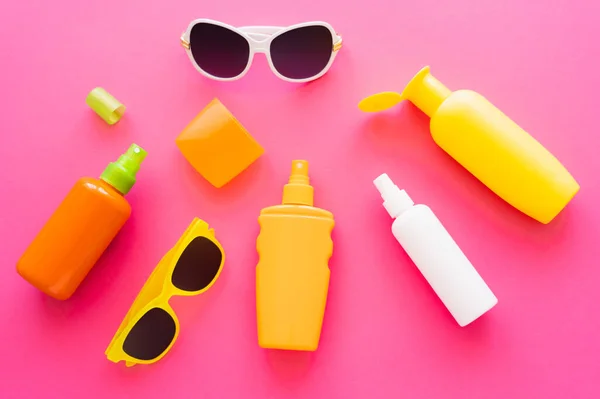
81,228
292,275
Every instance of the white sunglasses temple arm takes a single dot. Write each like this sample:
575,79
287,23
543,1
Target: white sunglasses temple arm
337,43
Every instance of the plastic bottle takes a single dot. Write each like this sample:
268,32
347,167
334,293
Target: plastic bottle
489,145
436,254
81,228
292,275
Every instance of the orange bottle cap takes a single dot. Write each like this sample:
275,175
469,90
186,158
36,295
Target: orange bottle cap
217,145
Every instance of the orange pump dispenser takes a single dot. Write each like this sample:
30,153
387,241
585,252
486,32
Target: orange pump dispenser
292,275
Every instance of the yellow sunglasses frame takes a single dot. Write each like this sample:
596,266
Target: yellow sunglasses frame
158,290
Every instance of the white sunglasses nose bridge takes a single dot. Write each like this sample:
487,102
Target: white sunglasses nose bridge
260,48
259,42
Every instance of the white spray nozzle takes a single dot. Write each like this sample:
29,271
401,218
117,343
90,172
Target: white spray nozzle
395,201
385,185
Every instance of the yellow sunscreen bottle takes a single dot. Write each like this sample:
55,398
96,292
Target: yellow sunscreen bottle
488,144
292,275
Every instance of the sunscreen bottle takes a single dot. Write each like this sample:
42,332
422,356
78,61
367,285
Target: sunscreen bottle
488,144
436,255
81,228
292,275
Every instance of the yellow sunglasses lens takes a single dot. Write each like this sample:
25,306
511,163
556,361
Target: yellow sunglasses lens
198,265
151,335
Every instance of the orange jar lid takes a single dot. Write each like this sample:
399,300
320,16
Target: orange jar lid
217,145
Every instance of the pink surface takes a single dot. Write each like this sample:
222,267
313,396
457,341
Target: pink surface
386,335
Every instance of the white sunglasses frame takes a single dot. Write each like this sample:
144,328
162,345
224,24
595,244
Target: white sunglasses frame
259,40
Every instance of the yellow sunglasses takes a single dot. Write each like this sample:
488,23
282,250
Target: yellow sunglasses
151,327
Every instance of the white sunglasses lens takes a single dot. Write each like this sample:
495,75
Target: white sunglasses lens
302,53
219,51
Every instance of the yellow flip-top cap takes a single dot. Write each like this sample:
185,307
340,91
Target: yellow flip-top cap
217,145
423,90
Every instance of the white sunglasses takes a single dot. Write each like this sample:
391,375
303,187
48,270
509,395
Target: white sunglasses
297,53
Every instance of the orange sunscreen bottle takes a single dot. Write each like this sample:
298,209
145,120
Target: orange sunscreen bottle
292,276
488,144
80,229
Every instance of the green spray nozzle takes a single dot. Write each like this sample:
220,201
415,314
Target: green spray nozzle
121,174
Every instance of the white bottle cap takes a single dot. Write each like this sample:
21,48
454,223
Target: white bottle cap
395,201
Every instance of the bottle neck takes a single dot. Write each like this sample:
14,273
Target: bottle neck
426,92
398,206
118,178
297,194
298,190
108,185
395,201
121,174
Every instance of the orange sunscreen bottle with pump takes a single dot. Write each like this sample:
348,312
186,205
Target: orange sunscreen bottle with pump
292,276
80,229
488,144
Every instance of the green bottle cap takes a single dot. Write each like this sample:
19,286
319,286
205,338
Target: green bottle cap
121,174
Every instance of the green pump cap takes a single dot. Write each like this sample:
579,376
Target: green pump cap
121,174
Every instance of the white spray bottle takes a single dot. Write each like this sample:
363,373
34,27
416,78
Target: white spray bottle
436,254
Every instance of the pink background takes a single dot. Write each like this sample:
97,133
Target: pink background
385,335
